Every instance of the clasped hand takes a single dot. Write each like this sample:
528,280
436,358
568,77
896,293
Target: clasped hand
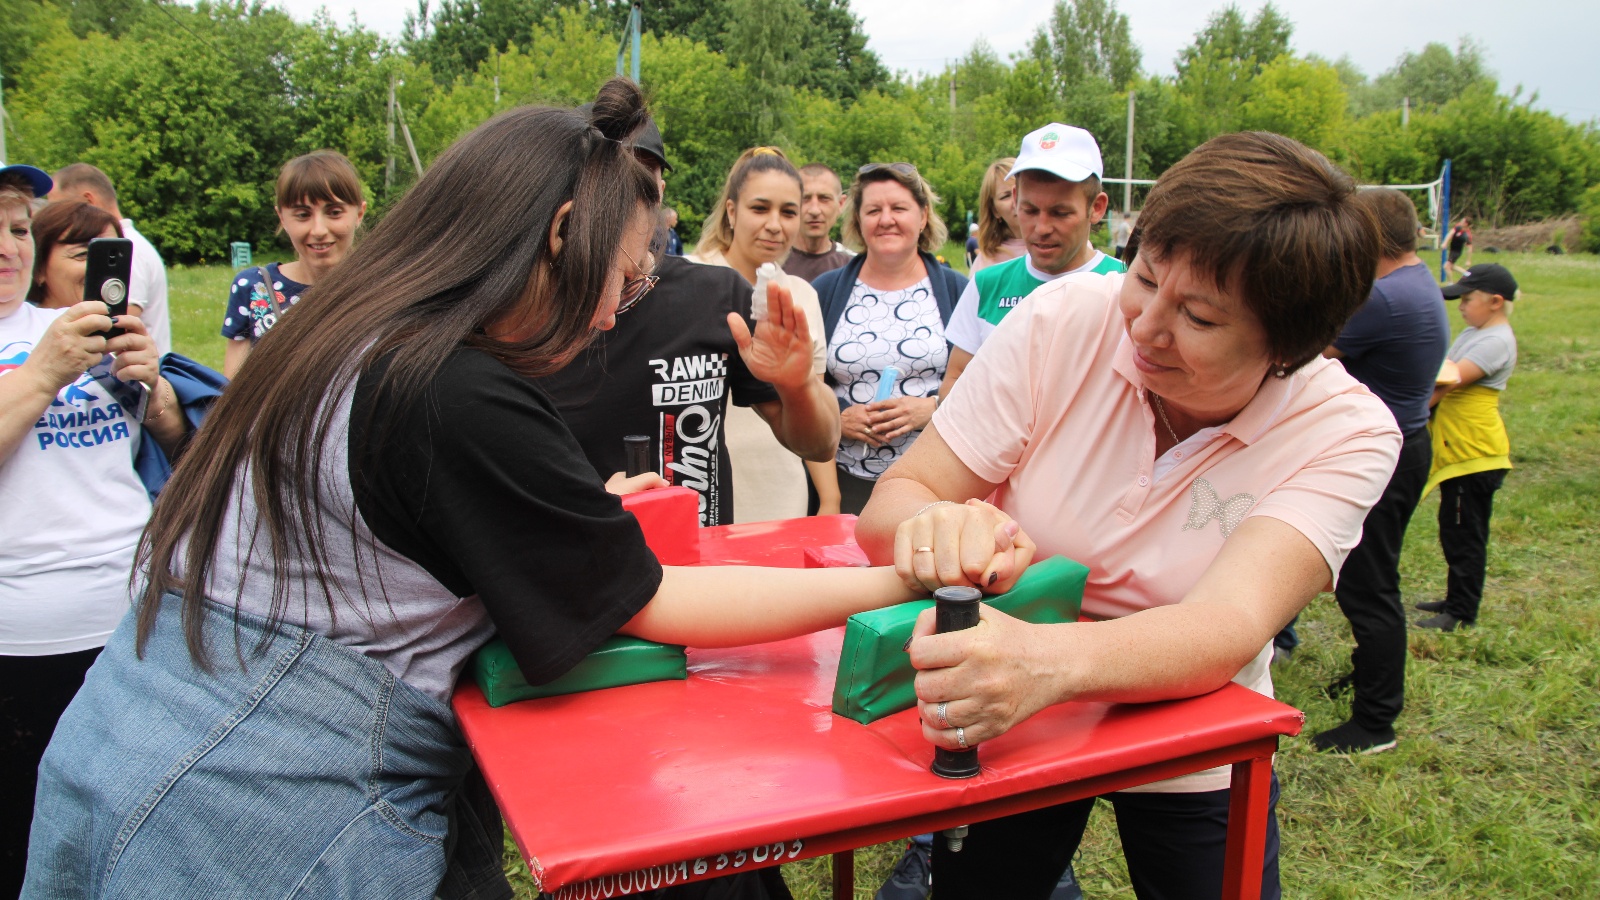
984,676
881,421
72,344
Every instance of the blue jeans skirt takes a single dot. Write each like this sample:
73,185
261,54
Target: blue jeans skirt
297,767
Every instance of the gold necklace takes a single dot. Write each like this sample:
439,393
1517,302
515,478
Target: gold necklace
1162,409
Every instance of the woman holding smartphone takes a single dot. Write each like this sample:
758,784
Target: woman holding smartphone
71,505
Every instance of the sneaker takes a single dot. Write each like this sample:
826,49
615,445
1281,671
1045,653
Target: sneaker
1351,738
1340,686
912,878
1442,622
1067,888
1433,606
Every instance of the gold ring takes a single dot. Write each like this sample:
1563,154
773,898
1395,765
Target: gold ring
924,550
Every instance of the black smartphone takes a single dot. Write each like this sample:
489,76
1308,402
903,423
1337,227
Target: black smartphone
106,274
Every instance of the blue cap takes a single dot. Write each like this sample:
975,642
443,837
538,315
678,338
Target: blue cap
36,178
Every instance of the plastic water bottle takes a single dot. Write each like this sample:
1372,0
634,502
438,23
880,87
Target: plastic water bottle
766,274
886,383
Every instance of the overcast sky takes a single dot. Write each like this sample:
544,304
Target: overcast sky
1544,45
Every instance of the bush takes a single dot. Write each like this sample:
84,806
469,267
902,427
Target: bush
1590,209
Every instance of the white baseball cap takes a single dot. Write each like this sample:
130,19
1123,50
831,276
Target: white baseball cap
1064,151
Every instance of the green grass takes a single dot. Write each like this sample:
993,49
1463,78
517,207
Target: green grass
1494,790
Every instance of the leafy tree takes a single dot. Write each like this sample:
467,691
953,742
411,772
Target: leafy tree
1435,76
1087,41
459,35
25,25
109,17
1300,99
1215,72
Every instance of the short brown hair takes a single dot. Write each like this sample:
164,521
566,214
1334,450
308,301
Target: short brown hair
319,175
1275,221
83,175
1396,217
934,233
72,222
812,170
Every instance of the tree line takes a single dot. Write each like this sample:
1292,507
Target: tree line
191,110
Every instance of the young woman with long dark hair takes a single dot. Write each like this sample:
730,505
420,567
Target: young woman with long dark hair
382,489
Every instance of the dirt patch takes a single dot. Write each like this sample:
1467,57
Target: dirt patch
1532,237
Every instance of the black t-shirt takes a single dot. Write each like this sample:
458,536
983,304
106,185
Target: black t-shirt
480,483
665,371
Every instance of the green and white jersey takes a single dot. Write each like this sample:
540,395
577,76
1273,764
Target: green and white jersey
996,290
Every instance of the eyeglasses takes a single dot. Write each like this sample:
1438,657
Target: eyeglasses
904,168
634,289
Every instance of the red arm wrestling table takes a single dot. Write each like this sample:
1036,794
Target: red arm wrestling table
744,764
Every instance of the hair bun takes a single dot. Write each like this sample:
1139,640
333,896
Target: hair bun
618,110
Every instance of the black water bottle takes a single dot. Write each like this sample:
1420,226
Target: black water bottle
956,608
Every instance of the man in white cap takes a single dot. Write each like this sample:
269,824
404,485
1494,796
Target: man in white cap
1058,199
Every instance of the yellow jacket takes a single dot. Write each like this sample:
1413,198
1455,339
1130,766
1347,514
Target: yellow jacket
1468,435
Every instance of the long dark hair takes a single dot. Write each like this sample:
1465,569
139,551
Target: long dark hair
467,247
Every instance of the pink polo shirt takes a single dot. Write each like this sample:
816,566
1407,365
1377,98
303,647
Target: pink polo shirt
1054,412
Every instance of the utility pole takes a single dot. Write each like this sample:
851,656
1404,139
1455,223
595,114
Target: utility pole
388,166
952,99
1405,113
405,131
1127,164
3,156
630,37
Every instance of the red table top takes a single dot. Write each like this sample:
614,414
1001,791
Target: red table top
747,755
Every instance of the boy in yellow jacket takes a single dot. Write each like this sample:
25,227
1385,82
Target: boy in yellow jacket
1471,451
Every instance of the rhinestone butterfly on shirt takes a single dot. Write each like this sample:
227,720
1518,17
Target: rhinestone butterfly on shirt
1206,505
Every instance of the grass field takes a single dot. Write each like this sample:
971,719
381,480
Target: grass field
1494,790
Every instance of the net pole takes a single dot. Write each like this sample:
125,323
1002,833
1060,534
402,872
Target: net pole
1444,221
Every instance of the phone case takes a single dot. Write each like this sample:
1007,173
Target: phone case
106,274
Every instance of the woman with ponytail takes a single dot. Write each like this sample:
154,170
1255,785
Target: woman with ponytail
753,223
372,499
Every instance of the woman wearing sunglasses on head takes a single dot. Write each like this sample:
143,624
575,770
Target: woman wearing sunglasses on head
383,490
886,308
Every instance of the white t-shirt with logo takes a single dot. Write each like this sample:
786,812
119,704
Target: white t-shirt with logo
147,286
71,508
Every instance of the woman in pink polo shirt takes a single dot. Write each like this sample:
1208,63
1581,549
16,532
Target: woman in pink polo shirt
1177,430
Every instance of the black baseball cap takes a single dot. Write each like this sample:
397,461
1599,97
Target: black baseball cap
36,178
1488,277
647,140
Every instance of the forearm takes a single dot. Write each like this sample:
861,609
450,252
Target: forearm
895,499
825,478
164,419
726,606
22,401
953,369
1262,578
805,419
1159,654
233,357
